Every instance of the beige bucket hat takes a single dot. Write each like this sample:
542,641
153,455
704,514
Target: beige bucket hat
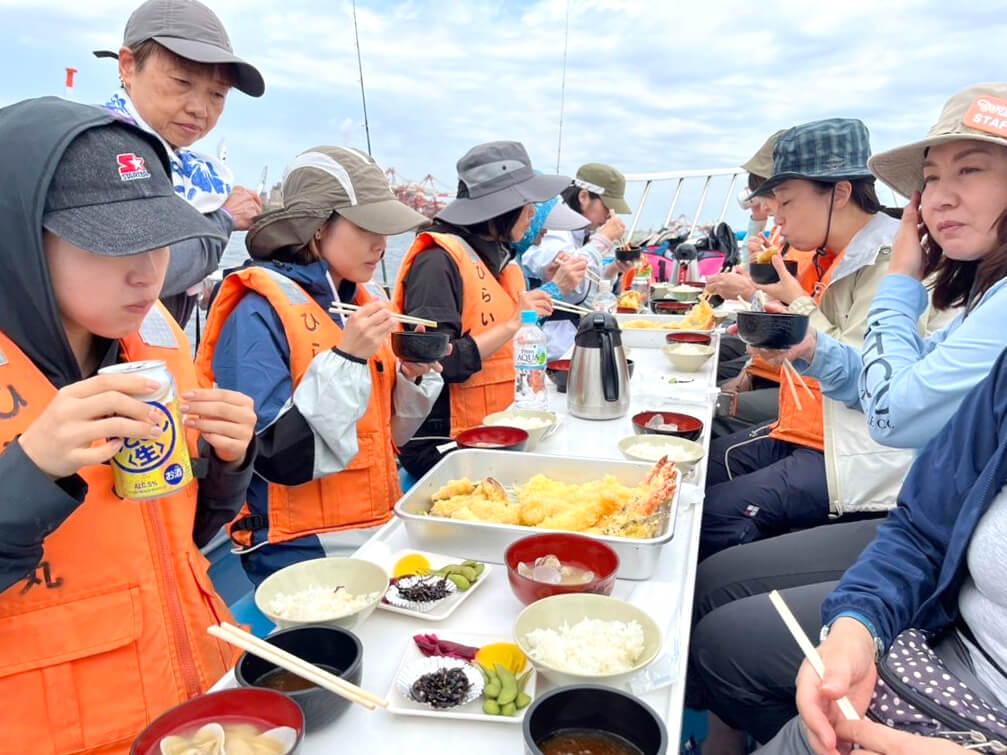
978,113
322,181
761,163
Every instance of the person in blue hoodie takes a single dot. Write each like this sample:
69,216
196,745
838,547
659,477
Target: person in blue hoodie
938,566
906,385
334,404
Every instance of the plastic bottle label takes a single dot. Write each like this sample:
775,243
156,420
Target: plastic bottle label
530,356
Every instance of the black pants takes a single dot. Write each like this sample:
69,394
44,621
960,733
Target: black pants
754,408
742,659
771,488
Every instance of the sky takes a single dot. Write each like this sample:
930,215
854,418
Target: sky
650,85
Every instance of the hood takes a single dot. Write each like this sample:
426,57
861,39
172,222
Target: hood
865,245
34,134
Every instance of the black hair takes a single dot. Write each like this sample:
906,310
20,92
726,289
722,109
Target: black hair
754,182
301,255
862,195
571,195
498,228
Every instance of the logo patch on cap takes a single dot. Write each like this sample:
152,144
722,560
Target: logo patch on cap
987,114
132,167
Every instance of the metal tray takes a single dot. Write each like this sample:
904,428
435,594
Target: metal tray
645,338
488,542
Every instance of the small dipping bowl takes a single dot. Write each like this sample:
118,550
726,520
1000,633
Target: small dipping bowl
592,707
575,550
558,371
494,438
689,427
629,255
262,707
410,346
336,648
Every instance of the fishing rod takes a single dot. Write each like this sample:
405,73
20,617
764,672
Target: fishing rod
367,127
562,90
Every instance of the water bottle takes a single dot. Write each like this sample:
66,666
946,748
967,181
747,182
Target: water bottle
605,300
529,364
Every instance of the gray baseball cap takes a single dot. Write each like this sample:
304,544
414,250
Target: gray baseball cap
496,178
192,31
111,195
327,180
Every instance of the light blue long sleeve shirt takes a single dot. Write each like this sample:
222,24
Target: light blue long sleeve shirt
907,386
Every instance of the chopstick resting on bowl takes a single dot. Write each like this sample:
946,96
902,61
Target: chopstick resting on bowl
340,308
295,665
810,652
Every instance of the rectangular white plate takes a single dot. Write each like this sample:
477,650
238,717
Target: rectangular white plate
401,705
447,606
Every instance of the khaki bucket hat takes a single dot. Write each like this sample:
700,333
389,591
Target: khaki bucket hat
323,181
978,113
761,163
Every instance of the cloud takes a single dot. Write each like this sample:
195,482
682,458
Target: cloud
650,86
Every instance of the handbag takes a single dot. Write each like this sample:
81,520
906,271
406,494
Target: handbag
916,693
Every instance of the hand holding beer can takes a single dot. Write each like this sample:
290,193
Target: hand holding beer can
156,467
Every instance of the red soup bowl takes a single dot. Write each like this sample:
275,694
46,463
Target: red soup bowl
263,708
574,550
494,438
689,427
700,338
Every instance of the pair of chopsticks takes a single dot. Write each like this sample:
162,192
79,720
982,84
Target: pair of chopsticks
572,308
810,652
592,276
339,308
790,373
268,652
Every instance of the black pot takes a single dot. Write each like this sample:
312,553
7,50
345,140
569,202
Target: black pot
420,347
330,646
765,273
768,330
596,708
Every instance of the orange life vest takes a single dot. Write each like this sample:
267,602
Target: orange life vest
804,425
486,301
109,631
363,494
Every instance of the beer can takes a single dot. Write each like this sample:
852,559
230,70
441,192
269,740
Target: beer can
153,468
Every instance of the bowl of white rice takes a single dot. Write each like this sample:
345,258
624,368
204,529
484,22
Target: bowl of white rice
336,591
586,638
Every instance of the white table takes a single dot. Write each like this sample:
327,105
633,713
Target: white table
667,597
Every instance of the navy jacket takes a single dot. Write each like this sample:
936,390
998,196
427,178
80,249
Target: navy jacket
910,576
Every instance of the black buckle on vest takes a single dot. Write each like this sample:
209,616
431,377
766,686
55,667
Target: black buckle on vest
249,523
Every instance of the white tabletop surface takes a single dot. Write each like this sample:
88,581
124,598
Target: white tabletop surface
667,597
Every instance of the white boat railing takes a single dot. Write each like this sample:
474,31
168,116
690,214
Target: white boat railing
681,176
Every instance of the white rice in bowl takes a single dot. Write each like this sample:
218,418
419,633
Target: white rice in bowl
319,604
589,647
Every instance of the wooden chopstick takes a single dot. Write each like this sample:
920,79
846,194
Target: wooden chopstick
567,307
269,652
793,390
810,652
787,364
341,308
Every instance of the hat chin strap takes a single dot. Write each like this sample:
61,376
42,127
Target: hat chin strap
820,252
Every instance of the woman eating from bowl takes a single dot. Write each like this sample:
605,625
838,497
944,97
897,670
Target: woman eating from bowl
462,274
333,402
768,480
962,171
598,193
177,67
